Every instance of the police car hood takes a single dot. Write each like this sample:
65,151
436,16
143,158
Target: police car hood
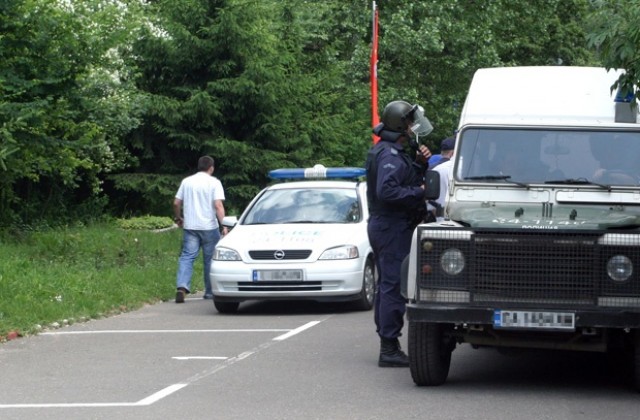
315,236
545,216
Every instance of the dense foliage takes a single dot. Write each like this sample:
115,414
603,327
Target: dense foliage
616,36
234,80
63,113
106,104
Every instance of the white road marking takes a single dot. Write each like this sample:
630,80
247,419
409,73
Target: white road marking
175,387
145,401
291,333
199,358
244,355
161,394
156,331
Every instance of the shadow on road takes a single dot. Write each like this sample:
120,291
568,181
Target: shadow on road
527,369
291,307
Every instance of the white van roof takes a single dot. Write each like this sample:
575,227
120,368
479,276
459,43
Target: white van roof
553,95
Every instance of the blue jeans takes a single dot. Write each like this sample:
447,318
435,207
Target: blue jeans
192,241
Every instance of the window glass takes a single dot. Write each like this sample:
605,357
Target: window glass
538,156
313,205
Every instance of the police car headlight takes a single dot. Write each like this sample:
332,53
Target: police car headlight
452,261
345,252
225,254
619,268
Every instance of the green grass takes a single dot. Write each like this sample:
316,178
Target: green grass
75,274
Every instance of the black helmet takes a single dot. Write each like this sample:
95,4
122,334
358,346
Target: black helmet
394,116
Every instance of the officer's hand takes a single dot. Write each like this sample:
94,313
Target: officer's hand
423,154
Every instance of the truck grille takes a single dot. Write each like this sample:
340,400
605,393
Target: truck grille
550,267
534,266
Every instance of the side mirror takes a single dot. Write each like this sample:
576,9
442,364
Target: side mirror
432,185
229,222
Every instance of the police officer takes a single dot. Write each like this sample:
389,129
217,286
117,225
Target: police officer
395,191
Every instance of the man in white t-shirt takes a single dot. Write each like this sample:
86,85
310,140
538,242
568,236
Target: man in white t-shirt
198,209
445,168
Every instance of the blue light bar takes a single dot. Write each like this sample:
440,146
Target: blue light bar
317,172
622,98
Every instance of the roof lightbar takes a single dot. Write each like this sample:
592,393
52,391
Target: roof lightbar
317,172
626,110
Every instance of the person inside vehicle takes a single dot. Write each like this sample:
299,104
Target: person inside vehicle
521,162
445,168
616,155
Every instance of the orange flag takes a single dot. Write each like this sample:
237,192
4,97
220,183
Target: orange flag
375,119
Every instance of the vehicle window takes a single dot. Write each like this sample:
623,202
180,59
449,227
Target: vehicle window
538,156
313,205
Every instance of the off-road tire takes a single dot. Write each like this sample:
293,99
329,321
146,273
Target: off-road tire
429,353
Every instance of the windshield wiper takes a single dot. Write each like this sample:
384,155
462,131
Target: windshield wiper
578,181
496,178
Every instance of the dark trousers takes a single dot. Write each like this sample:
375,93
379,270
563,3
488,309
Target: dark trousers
390,239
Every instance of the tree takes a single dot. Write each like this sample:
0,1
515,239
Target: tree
267,84
429,50
253,83
545,33
615,33
62,111
107,104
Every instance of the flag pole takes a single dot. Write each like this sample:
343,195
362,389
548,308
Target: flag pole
375,119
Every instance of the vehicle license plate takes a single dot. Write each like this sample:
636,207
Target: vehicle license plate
534,320
277,275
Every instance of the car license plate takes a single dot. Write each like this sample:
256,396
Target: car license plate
277,275
534,320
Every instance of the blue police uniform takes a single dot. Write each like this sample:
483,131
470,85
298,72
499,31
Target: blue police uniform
396,202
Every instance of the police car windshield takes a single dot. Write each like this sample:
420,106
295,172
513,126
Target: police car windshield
305,205
551,155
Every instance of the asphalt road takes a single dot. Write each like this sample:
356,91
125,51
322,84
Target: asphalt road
284,360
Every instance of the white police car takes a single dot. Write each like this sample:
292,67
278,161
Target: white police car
302,239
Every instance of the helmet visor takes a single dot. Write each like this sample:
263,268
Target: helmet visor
420,125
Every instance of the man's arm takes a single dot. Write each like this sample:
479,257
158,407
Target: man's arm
177,212
219,206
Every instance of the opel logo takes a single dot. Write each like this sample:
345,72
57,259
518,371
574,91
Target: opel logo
278,255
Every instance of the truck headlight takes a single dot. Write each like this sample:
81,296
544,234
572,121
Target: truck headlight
452,261
619,268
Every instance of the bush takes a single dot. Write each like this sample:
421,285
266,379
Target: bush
145,222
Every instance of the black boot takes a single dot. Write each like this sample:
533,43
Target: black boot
391,355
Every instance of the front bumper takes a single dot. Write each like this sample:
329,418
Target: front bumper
322,280
584,318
